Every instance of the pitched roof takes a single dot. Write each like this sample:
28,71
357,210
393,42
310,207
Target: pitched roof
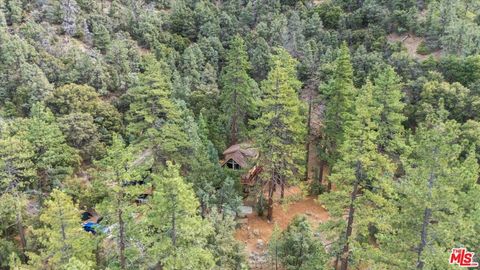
240,153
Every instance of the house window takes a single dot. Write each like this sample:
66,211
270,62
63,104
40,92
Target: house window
233,165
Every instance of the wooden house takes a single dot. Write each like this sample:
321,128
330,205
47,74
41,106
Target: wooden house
243,156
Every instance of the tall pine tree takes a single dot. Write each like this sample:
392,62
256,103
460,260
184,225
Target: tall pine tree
280,130
238,90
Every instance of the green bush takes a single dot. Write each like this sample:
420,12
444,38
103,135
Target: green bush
423,48
316,188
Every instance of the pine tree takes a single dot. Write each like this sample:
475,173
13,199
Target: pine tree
362,178
387,93
62,237
17,172
227,251
339,96
274,246
238,90
297,248
53,158
433,198
12,211
280,130
117,170
177,235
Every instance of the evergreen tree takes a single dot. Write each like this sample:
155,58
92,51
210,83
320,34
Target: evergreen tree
339,96
53,158
432,198
153,118
238,92
280,130
177,235
62,237
17,172
117,170
361,169
227,251
387,94
297,248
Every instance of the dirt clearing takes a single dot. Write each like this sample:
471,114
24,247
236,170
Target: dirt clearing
256,232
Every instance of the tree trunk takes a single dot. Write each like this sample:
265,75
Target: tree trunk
351,213
336,262
121,225
64,239
423,242
426,220
20,228
234,124
282,190
270,200
307,158
174,227
21,234
320,175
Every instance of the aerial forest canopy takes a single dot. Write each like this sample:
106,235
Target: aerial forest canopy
135,133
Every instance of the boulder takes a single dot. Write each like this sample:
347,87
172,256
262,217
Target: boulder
243,211
260,244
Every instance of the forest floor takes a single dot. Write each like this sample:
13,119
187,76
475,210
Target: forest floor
256,232
411,43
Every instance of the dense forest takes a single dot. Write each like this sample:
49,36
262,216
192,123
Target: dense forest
114,115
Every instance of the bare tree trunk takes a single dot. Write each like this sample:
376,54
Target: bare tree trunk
21,234
307,158
270,200
320,175
282,190
336,262
234,124
351,213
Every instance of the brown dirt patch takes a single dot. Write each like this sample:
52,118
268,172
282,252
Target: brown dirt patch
411,43
260,228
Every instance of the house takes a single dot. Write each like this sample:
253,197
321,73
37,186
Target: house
243,156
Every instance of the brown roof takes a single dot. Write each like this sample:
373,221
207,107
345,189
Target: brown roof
240,153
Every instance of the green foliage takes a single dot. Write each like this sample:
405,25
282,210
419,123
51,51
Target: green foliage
227,251
238,91
297,248
177,234
388,96
423,49
280,129
115,171
340,94
433,194
17,171
179,80
64,243
330,14
360,167
53,158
